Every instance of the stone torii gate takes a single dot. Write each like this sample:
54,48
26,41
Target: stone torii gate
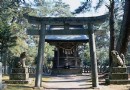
65,21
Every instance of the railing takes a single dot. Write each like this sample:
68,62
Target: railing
32,70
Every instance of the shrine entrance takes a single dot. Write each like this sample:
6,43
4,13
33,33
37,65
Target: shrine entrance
66,53
64,56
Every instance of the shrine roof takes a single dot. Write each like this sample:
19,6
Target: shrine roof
81,38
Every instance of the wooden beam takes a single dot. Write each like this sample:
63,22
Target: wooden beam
69,20
70,26
59,32
65,32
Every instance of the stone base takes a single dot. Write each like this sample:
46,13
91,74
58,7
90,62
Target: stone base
17,81
20,70
119,70
118,75
19,76
108,81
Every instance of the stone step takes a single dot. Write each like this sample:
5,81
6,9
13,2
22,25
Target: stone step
19,76
119,70
118,76
17,81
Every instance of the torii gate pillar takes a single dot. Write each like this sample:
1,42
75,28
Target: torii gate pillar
39,69
93,56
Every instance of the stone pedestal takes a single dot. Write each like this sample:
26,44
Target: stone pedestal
19,76
119,75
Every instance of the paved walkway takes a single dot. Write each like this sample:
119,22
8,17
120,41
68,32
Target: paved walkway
67,82
77,82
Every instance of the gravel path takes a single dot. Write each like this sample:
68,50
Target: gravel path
68,82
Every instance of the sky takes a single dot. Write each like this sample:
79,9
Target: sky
73,3
76,3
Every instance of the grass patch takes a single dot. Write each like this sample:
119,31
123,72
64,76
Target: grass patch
29,86
46,78
5,78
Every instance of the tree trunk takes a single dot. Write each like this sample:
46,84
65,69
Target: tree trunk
123,39
112,31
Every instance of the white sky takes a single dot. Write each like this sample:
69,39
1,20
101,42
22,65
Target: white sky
74,4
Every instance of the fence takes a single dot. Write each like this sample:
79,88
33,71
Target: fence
86,69
101,69
31,70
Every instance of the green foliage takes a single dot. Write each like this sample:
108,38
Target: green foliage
102,56
61,9
31,54
85,6
49,53
84,54
12,29
53,8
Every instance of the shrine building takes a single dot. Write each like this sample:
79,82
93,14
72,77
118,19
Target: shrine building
66,54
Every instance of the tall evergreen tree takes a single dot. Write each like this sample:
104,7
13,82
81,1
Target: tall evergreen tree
123,39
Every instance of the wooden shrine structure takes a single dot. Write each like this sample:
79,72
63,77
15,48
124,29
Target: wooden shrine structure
66,53
66,22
